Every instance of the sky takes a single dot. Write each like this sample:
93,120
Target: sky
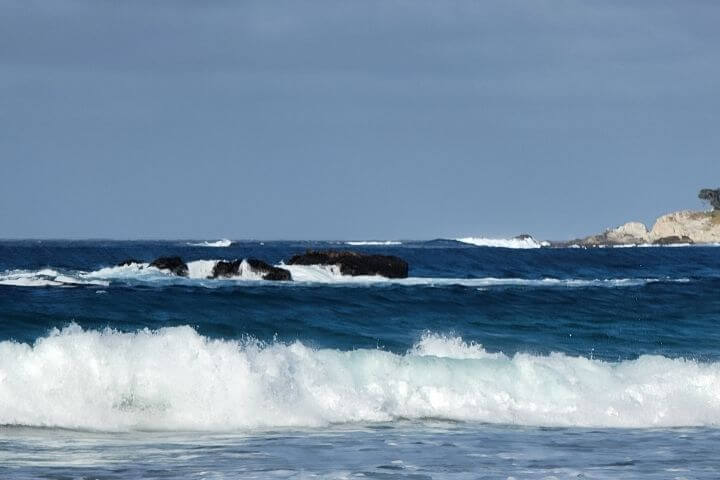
353,119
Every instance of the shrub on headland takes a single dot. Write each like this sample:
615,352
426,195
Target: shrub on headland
711,196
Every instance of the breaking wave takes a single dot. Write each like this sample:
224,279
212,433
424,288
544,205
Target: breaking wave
220,243
516,242
373,243
45,278
199,272
176,379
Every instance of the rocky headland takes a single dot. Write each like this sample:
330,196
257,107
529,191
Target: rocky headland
684,227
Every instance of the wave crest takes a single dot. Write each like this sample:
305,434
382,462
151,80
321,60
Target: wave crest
174,378
218,244
373,243
199,272
524,241
45,277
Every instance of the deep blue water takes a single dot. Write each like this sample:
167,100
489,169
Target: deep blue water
526,363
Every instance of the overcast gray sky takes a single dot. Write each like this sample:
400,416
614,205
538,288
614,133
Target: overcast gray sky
353,119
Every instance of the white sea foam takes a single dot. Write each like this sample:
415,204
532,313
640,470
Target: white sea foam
44,278
133,271
525,242
328,274
373,242
29,282
201,268
174,379
199,272
220,243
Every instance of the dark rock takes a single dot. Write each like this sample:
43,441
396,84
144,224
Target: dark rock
129,261
174,264
226,269
352,263
268,271
672,240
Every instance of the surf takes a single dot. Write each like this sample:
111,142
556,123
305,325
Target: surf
522,242
199,272
217,244
176,379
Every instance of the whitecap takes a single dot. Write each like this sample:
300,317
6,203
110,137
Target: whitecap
219,243
517,242
176,379
45,277
373,243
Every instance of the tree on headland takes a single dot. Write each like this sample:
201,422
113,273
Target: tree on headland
711,196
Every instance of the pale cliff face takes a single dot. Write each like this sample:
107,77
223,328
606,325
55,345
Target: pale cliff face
628,234
700,227
677,227
631,232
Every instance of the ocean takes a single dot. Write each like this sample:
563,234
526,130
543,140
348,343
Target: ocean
486,362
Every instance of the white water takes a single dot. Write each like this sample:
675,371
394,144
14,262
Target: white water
200,270
528,242
330,274
44,278
218,244
175,379
373,243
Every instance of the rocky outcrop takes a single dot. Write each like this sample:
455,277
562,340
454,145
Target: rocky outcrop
673,240
674,228
269,272
129,261
174,264
251,268
227,269
631,232
354,264
699,227
627,234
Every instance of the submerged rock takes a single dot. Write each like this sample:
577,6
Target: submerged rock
174,264
354,264
227,269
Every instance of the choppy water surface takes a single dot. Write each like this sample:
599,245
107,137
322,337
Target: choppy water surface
485,363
